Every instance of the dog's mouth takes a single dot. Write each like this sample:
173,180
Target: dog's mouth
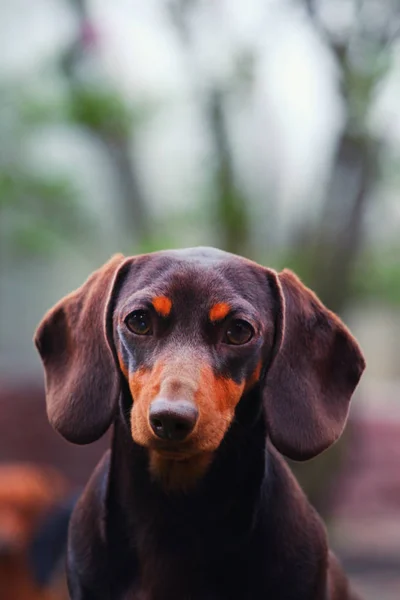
168,450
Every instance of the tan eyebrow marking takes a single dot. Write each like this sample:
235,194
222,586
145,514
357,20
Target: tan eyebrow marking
163,305
219,311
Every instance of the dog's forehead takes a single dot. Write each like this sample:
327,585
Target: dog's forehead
198,275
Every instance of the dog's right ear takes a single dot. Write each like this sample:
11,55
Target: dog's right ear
74,340
315,370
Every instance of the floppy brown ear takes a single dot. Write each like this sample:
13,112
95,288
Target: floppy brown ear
316,368
74,342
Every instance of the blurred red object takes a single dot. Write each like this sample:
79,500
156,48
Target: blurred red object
27,494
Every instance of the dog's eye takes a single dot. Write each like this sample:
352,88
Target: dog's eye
139,322
238,332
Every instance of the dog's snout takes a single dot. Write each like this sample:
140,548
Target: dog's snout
172,420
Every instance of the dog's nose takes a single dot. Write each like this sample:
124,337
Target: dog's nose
172,420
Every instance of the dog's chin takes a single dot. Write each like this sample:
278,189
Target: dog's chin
177,472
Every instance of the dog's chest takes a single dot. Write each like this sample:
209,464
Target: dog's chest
202,594
180,591
188,580
165,583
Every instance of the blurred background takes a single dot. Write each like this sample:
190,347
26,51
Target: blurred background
268,128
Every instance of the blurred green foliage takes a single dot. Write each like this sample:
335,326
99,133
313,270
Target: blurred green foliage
38,210
100,110
378,276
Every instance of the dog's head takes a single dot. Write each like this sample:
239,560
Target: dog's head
191,333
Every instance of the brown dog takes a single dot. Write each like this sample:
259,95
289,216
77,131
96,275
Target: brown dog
28,493
207,364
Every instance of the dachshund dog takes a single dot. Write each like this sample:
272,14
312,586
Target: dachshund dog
209,367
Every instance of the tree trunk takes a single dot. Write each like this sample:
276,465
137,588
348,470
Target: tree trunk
340,233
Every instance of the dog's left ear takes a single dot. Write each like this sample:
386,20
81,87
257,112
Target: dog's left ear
316,367
74,340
